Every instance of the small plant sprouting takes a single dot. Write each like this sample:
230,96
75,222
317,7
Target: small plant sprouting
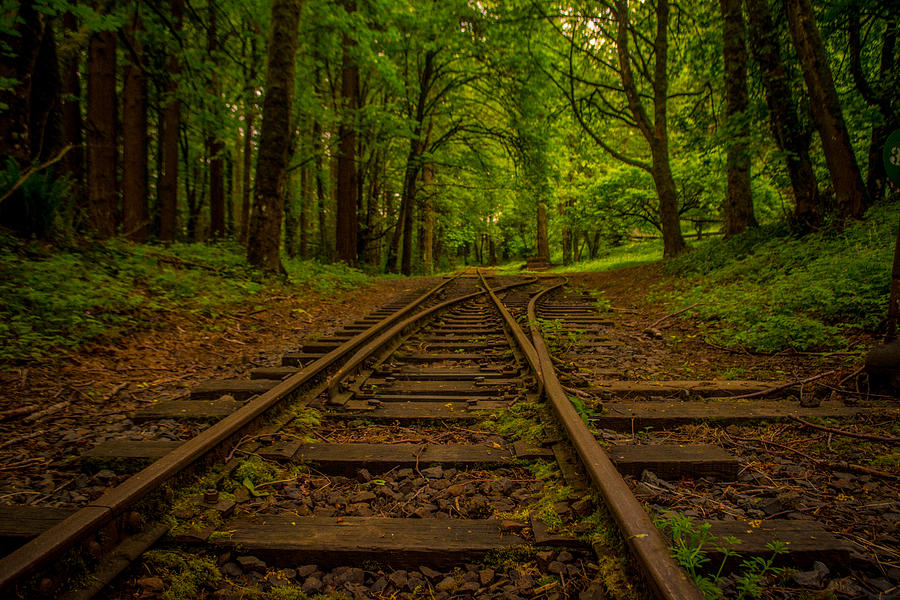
690,543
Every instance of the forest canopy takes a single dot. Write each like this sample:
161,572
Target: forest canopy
411,136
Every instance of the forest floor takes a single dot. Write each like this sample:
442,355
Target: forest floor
88,393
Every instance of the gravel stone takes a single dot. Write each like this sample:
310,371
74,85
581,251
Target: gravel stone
813,578
429,572
435,472
306,570
398,579
312,585
251,563
447,584
232,569
486,576
556,567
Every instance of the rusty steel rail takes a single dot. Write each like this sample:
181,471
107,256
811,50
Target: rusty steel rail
53,543
665,578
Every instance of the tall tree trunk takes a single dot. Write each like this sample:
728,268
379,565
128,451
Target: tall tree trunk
135,209
409,205
655,131
826,111
215,146
168,185
45,117
738,198
102,142
878,96
396,237
264,249
428,220
18,66
566,233
72,123
292,211
248,166
306,198
790,136
543,243
346,220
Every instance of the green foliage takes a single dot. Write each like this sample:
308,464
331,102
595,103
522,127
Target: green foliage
186,574
55,300
691,543
768,289
31,209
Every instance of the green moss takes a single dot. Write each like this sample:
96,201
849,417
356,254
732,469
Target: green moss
186,574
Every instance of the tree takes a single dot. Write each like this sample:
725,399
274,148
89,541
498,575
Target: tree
135,210
264,247
171,124
738,199
102,134
347,225
826,111
790,135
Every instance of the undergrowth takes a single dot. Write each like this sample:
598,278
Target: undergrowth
55,300
770,289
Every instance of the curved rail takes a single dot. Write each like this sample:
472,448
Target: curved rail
64,536
357,359
665,578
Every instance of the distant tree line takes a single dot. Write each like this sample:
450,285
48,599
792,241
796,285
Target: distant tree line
411,135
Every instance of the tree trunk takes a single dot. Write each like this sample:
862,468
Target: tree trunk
215,146
826,111
566,232
248,166
168,185
346,220
306,198
789,134
264,249
543,243
428,220
292,212
877,96
72,123
45,119
408,208
655,131
102,143
17,66
135,210
738,198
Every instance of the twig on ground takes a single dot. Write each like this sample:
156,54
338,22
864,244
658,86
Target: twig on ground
853,434
783,386
21,438
676,313
47,411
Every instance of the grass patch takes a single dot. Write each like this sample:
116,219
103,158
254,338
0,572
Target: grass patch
56,300
617,257
770,290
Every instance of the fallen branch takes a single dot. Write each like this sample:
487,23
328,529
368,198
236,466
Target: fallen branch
676,313
828,466
21,438
853,434
18,412
31,171
783,386
47,411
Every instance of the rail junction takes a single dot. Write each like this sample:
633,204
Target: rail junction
440,447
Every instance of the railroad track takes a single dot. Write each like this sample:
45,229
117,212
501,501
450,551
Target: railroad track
409,452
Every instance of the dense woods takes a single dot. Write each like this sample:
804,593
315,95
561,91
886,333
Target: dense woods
410,136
